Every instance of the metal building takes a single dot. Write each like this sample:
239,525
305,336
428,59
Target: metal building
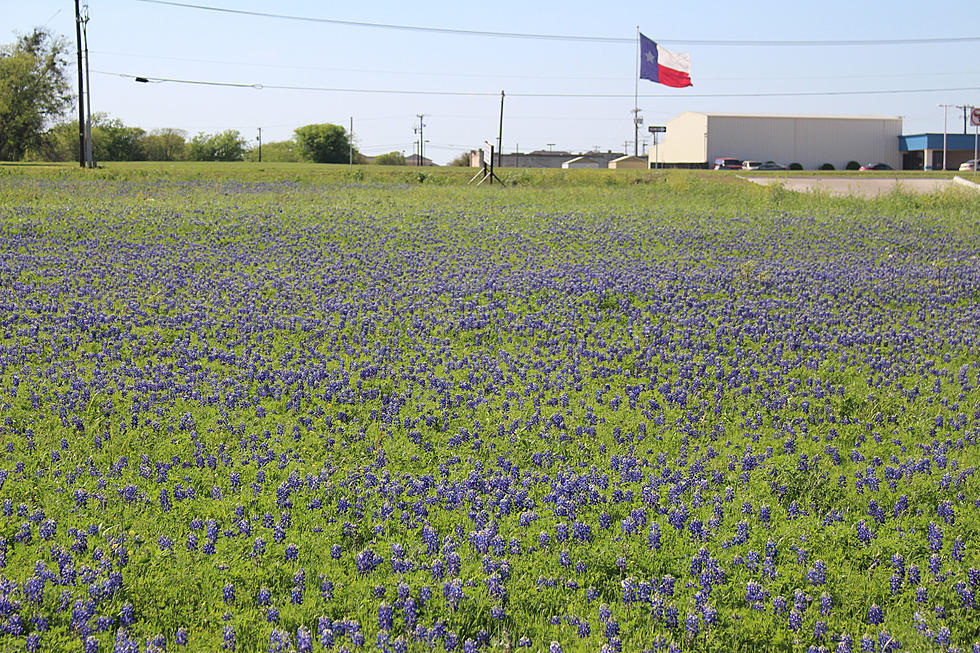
695,139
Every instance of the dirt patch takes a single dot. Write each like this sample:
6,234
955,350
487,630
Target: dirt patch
855,186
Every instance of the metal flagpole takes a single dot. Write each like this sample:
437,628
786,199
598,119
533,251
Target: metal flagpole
636,97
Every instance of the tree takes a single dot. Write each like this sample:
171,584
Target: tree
165,144
111,141
225,146
34,90
390,159
114,141
277,151
324,143
463,160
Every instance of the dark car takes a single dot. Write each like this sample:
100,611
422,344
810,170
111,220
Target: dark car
728,163
876,166
771,165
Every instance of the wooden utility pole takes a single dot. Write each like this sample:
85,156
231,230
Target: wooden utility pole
81,88
500,135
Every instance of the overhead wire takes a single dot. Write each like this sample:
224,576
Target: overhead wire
470,75
289,87
566,37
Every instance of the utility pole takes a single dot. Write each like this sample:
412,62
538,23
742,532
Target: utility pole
966,112
88,92
81,89
350,144
418,130
637,121
259,139
500,134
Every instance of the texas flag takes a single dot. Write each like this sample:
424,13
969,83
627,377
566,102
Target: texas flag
660,65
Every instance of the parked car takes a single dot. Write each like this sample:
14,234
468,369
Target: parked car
970,165
751,165
771,165
728,163
876,166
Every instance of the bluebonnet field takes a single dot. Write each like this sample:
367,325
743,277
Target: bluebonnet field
271,415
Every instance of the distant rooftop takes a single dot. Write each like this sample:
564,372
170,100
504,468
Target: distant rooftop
715,114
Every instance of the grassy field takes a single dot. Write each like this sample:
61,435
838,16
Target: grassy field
294,407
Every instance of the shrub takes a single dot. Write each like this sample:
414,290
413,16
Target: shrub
853,165
795,166
390,159
827,166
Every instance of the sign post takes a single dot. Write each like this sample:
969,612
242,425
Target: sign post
975,121
656,129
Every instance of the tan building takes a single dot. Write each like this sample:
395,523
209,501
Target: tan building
695,139
629,162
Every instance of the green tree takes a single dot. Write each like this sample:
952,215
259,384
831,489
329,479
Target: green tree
165,144
277,151
462,161
34,90
324,143
224,146
390,159
111,141
114,141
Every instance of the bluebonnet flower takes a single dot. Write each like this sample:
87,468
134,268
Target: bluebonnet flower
817,575
385,617
692,625
875,615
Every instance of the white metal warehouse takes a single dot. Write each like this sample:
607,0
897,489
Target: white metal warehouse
695,139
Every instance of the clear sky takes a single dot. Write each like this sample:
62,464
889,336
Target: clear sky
137,38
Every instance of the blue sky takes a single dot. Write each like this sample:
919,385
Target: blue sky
136,38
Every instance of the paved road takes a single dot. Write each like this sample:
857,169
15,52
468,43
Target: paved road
856,186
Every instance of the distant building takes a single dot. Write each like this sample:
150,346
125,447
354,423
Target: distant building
629,162
584,162
695,140
540,158
925,151
413,160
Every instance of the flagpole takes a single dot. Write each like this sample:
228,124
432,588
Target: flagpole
636,97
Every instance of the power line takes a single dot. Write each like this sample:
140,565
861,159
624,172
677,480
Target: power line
470,75
260,87
564,37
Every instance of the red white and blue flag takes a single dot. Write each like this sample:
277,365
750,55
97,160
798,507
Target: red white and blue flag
660,65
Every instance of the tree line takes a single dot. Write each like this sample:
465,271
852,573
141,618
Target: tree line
35,97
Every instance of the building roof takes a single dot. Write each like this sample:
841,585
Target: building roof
712,114
934,141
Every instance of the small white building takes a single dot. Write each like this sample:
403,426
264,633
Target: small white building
696,139
629,162
584,162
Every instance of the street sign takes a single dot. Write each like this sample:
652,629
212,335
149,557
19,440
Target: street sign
975,116
656,129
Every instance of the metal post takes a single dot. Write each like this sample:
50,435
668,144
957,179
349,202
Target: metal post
350,143
500,134
259,139
81,89
945,111
636,98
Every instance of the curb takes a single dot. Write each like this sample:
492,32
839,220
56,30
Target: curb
967,183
